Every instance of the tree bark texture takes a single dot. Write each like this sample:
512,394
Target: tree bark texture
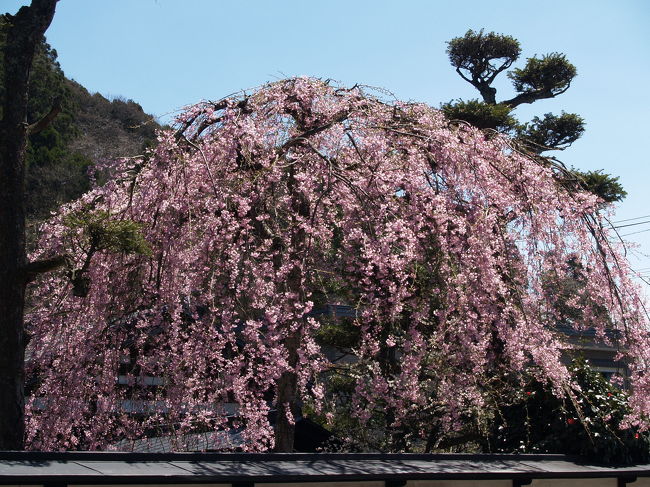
25,32
286,401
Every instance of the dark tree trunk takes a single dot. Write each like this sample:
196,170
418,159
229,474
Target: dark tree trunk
488,93
287,394
25,32
531,97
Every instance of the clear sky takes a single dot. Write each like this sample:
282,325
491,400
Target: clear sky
168,53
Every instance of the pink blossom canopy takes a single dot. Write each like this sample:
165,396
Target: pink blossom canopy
259,210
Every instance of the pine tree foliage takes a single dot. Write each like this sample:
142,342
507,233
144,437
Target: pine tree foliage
479,58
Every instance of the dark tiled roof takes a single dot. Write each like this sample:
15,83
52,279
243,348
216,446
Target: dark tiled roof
590,333
116,468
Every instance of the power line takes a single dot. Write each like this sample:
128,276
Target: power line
634,233
632,224
630,219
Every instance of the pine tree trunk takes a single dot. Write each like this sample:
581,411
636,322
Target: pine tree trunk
25,32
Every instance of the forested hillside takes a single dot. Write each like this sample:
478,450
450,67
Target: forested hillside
88,129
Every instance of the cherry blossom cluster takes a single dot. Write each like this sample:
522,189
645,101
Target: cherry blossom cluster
453,248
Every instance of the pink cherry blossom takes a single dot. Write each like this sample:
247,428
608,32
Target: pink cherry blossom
260,210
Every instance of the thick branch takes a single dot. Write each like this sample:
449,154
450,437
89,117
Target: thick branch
181,132
33,269
533,96
488,93
45,122
313,131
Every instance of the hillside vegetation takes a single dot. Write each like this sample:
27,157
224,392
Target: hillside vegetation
89,129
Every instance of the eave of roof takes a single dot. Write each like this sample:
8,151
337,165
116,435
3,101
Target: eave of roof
115,468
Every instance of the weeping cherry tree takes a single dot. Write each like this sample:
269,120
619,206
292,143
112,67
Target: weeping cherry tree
193,274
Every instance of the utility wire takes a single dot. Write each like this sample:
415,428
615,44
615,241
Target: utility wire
634,233
630,219
632,224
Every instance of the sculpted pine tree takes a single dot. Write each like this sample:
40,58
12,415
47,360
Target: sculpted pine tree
479,58
24,32
196,272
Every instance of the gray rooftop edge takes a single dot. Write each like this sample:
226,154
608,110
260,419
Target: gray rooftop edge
161,468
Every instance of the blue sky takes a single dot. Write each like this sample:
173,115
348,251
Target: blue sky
168,53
